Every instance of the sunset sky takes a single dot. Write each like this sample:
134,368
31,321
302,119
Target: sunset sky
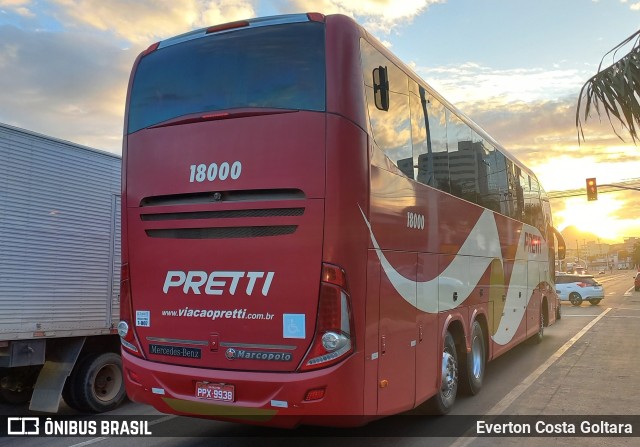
515,66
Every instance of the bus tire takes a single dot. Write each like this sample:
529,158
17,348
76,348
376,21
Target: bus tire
540,334
444,399
99,384
472,374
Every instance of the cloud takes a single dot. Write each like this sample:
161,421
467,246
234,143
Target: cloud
542,135
147,21
471,82
72,84
64,84
531,112
617,214
375,15
630,206
18,6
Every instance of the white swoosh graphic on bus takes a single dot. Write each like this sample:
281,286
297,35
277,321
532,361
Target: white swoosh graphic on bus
476,254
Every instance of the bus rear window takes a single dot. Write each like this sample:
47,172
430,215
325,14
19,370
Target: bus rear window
280,66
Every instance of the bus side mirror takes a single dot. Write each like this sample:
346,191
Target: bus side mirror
562,247
562,252
381,88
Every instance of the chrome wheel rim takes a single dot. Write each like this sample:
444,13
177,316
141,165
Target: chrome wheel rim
449,374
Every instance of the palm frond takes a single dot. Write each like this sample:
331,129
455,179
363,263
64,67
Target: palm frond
616,90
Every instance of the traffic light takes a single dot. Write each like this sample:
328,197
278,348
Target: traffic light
592,189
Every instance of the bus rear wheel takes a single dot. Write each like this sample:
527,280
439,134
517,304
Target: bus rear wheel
541,323
444,399
473,373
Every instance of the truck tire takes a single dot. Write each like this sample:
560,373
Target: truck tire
69,392
16,384
97,385
15,397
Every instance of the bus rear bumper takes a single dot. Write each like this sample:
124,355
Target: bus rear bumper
270,399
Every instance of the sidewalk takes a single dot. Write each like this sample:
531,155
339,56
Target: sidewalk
599,375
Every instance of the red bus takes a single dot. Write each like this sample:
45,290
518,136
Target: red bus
313,235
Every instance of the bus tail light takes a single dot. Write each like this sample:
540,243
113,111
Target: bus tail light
227,26
127,336
334,338
315,17
151,49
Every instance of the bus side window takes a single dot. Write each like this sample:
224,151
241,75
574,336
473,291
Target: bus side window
386,85
433,165
512,182
422,160
497,186
520,193
535,206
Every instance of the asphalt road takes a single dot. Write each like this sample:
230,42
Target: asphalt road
586,366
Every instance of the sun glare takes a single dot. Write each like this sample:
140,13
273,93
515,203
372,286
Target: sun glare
592,217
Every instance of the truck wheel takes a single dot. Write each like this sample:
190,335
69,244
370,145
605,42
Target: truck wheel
473,373
71,386
444,399
16,384
15,397
69,396
98,385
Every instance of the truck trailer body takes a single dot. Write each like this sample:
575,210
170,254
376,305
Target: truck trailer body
59,273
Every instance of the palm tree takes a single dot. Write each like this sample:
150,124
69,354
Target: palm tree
616,89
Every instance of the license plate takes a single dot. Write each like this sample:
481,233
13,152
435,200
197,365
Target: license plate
215,391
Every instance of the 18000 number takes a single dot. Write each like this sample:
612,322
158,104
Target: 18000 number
202,172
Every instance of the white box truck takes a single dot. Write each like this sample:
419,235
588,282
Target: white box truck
59,273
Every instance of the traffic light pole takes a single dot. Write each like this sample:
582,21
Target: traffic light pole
619,186
592,188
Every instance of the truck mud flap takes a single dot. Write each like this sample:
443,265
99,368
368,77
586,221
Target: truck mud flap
60,361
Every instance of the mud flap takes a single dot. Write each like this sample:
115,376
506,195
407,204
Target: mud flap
61,358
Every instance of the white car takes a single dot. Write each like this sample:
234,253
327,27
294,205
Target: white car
579,288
